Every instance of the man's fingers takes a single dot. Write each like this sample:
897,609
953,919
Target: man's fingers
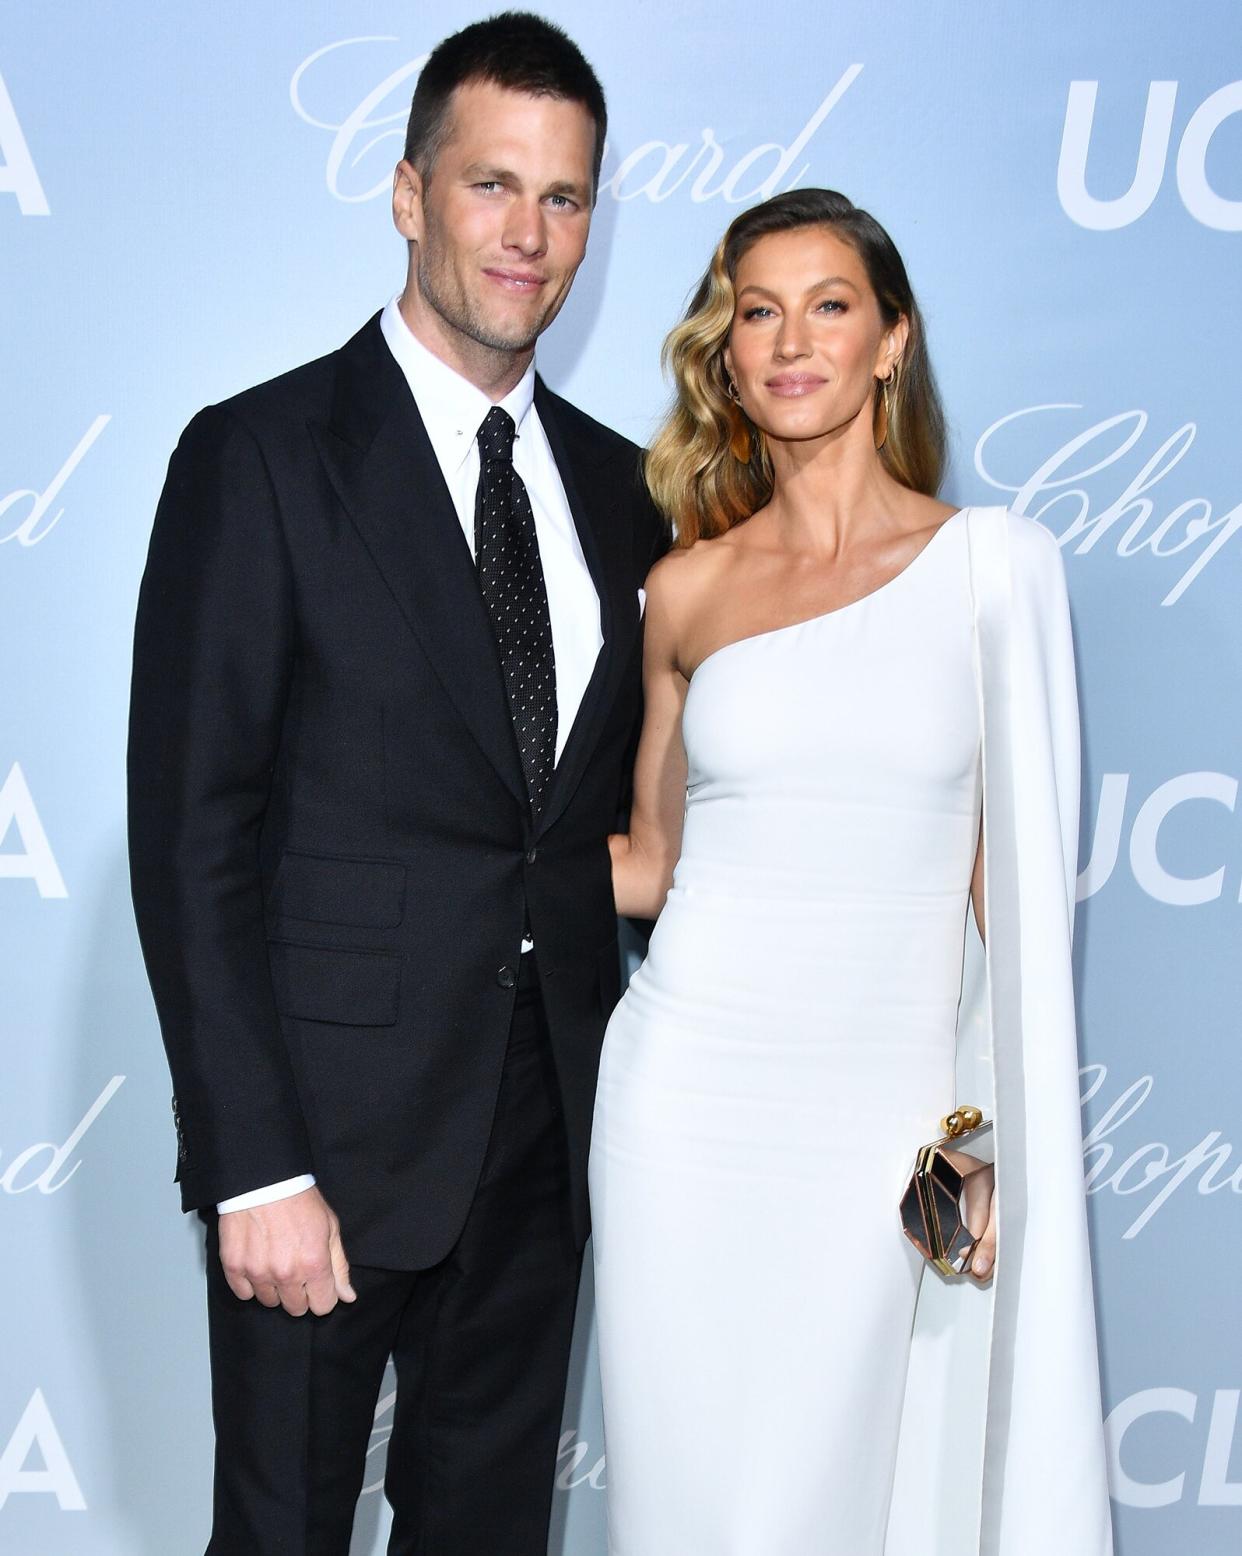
321,1294
340,1266
320,1286
293,1297
286,1254
239,1285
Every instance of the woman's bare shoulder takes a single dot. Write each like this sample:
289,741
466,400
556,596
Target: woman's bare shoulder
684,576
680,590
924,515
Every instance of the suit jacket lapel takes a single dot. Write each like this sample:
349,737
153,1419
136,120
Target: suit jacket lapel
382,466
607,544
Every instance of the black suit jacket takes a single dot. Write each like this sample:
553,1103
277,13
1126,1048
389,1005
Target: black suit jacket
331,848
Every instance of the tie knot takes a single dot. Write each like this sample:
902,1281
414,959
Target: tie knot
496,435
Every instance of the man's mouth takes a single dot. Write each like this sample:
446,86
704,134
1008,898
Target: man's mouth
514,280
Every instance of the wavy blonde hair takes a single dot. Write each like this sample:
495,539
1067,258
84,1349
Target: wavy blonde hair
708,467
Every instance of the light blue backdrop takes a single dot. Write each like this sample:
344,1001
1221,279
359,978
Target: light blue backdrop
192,198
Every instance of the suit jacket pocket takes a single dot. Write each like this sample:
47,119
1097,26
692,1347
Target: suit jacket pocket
368,893
322,983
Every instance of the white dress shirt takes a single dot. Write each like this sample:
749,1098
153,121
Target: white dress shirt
452,411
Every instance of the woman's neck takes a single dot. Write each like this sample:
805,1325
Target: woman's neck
829,492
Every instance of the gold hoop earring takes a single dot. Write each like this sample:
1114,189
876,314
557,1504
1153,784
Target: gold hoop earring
883,408
741,439
880,426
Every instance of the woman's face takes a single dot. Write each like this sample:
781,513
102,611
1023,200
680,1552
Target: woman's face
808,340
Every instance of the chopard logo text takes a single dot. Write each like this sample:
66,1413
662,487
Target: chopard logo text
1059,490
367,138
1151,1172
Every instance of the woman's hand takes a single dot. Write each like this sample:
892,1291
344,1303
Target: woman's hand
979,1194
639,884
643,858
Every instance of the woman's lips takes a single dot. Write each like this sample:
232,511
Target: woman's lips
791,385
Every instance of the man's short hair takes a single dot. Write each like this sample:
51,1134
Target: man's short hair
516,50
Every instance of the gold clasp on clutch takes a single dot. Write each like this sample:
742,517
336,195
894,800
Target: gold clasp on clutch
961,1121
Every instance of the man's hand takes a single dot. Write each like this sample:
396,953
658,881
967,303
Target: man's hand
287,1254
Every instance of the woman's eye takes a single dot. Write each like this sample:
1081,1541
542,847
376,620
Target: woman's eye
833,305
757,312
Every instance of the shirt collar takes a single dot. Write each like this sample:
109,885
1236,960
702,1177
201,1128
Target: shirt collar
451,407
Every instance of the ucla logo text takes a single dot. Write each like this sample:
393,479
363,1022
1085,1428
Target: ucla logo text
18,175
1181,887
34,859
1104,214
34,1462
1207,1449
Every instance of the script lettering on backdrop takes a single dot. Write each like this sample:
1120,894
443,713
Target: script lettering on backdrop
35,860
35,1435
42,1166
1215,1489
1188,530
572,1453
34,525
381,1430
1200,199
357,170
1151,873
1152,1170
18,175
571,1457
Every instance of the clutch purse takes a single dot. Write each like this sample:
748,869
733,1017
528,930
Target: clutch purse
931,1207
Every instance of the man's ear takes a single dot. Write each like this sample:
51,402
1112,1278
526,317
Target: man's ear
407,201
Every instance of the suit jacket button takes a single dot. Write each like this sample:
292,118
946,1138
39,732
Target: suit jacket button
531,855
506,977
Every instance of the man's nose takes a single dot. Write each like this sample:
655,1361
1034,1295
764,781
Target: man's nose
526,229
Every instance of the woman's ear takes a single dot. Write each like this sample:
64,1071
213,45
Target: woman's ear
892,347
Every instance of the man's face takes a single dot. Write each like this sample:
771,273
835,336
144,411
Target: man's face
501,223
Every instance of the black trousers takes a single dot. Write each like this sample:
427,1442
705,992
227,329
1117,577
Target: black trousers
481,1346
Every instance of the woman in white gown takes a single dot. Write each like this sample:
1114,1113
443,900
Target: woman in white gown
807,828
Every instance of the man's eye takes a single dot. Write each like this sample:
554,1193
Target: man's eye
562,202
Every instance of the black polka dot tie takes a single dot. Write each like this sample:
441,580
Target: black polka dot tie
511,577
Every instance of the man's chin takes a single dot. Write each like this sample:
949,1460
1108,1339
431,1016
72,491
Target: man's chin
511,343
509,334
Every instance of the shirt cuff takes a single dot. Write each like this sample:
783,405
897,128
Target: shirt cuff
269,1195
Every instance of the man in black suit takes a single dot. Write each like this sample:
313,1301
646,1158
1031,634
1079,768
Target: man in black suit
386,691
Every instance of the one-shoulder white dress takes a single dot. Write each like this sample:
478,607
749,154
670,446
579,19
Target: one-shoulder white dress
771,1070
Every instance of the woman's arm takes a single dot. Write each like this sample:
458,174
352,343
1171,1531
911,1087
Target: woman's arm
643,858
976,888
